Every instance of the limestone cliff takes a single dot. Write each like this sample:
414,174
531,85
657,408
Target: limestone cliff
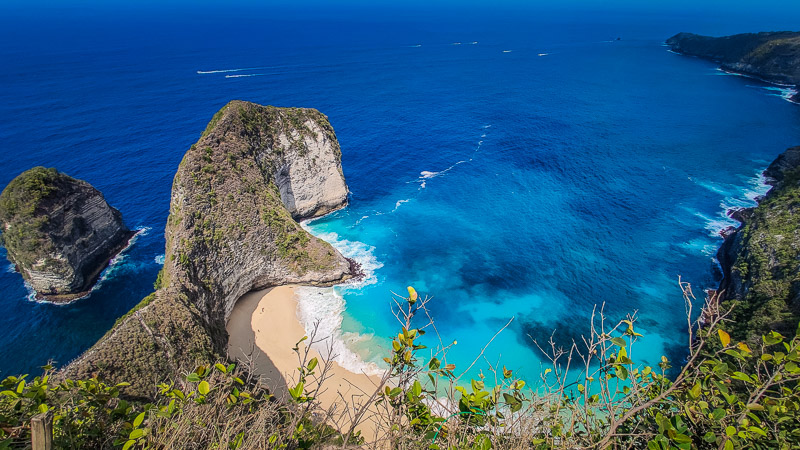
59,231
761,258
771,56
232,228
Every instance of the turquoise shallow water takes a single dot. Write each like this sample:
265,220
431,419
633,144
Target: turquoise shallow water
535,174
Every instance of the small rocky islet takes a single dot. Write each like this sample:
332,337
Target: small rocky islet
59,232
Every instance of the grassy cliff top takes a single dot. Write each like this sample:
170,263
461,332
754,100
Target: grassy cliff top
24,193
22,226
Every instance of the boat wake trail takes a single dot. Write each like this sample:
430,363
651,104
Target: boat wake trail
425,176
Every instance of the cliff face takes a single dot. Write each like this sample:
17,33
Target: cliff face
773,57
761,259
59,231
231,229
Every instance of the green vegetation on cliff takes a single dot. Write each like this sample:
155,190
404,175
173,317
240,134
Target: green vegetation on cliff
768,262
24,235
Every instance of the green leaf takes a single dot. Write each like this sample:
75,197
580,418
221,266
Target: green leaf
695,390
416,389
138,421
221,368
136,434
312,364
619,342
128,444
730,431
193,377
203,388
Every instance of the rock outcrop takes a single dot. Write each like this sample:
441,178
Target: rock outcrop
232,228
761,259
771,56
59,232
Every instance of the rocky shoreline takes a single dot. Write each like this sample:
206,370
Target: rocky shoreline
772,57
758,259
92,278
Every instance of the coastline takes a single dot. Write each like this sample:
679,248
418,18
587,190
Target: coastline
264,328
94,280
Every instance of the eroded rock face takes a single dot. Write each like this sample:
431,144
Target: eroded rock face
235,199
60,232
232,228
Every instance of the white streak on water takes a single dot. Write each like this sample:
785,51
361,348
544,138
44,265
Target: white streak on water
206,72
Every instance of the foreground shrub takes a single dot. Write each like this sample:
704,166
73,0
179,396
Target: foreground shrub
594,395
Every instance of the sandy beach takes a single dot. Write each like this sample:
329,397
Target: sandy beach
264,327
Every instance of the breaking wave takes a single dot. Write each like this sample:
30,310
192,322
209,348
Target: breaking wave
322,309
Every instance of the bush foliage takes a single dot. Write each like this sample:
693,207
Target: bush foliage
728,395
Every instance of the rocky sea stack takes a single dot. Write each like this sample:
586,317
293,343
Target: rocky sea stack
770,56
759,259
232,228
59,232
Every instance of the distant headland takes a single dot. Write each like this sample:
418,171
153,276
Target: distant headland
770,56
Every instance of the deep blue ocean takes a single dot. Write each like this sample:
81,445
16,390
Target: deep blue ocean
524,165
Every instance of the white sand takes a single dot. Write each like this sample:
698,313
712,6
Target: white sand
263,326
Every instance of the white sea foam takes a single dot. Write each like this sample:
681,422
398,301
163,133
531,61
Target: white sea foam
506,51
11,268
543,54
400,202
322,308
785,93
428,174
734,197
160,259
456,43
473,42
245,75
